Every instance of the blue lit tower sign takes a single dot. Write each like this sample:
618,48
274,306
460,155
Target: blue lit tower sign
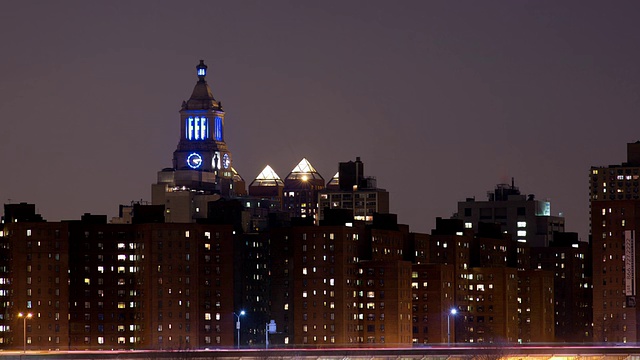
202,147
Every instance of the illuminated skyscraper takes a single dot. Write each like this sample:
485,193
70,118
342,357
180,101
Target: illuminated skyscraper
202,163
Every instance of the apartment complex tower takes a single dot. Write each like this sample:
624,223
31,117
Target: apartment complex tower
615,223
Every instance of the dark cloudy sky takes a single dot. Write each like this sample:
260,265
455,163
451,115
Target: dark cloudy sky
441,99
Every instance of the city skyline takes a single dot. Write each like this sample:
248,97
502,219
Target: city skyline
442,101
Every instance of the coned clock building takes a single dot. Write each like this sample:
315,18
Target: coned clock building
202,164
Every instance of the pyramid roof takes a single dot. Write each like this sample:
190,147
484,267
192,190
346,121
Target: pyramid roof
304,171
236,176
267,177
335,181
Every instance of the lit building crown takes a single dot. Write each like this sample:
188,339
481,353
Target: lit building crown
267,177
304,171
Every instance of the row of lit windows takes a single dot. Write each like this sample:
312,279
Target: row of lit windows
331,327
324,247
331,236
51,339
331,339
208,317
324,258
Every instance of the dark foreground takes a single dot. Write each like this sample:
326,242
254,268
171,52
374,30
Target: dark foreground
436,352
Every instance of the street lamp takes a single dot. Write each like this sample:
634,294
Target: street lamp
24,327
238,325
451,312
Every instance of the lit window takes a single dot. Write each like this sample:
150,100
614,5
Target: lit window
522,224
522,232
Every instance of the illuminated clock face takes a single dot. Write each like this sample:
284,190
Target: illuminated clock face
194,160
226,161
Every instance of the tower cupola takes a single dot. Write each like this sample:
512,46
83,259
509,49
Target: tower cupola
202,70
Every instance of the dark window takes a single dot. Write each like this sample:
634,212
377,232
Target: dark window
371,328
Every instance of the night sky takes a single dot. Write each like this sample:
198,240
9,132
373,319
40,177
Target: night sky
442,100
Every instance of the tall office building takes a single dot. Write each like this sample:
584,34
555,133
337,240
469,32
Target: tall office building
527,219
615,222
202,168
301,188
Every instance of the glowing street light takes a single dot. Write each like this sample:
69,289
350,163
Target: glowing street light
451,312
24,327
238,324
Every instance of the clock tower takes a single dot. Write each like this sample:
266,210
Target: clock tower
202,163
201,146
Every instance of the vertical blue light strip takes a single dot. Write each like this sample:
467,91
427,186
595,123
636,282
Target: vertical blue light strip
196,128
190,128
218,128
203,128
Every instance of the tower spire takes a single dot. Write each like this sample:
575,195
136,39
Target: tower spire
202,96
